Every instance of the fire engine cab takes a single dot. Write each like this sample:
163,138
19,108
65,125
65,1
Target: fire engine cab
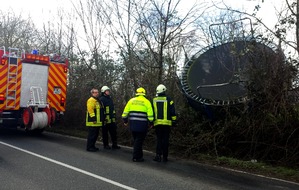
32,89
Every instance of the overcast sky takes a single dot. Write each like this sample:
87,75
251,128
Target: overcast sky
43,9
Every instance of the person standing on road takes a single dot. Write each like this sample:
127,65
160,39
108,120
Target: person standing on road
110,125
165,117
94,119
138,113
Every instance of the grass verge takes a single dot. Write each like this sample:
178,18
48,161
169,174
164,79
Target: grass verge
251,166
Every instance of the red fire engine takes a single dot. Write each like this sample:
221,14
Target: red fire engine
32,89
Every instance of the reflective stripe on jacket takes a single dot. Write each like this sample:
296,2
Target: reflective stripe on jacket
164,110
138,112
94,113
109,108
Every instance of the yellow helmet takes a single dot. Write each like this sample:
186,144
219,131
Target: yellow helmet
140,91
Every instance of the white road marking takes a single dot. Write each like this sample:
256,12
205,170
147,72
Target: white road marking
71,167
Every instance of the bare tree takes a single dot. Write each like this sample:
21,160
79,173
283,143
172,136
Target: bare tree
153,25
92,62
293,17
122,29
15,31
162,28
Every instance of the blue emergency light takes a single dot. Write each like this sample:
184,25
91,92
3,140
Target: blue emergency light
35,52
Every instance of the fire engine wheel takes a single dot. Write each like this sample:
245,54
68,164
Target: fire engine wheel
53,115
27,117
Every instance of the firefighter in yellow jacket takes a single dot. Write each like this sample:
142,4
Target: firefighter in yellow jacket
139,114
94,119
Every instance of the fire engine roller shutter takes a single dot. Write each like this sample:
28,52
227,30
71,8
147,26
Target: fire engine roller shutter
33,75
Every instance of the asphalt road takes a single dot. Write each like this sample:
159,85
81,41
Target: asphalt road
52,161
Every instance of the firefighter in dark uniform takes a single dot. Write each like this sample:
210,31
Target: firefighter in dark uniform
165,117
139,114
94,119
110,125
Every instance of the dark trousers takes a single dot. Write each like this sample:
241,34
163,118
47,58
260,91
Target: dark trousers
162,133
138,138
111,128
93,133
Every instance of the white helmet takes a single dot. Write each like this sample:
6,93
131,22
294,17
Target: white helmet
161,88
104,88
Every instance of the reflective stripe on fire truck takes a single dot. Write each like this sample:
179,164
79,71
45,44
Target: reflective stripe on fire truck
57,86
13,104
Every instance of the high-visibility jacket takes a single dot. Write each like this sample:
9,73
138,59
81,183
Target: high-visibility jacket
164,110
94,113
109,108
138,112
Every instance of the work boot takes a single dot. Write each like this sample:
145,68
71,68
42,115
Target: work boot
157,158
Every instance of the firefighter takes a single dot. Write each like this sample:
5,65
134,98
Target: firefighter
94,119
110,125
165,117
138,113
